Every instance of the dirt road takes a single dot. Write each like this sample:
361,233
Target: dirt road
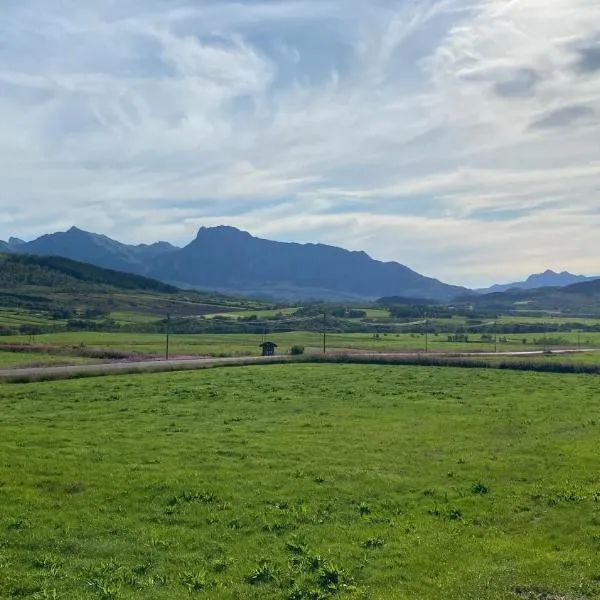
123,367
65,372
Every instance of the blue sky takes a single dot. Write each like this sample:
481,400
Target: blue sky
459,137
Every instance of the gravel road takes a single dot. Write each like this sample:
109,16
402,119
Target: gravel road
54,372
125,367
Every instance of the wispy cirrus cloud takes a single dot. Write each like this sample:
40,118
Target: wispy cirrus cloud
457,137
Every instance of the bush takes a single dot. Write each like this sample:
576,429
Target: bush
194,582
479,488
297,350
262,574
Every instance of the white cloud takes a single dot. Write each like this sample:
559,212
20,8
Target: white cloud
459,138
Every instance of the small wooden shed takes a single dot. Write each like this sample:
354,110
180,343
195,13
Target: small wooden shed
268,348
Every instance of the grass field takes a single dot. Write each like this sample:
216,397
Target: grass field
31,359
376,313
259,314
580,357
301,482
550,321
247,344
126,317
12,317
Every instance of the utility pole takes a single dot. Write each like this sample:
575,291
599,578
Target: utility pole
545,345
167,327
426,336
324,333
495,336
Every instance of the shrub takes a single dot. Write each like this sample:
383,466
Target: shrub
364,509
194,582
297,350
296,546
373,543
454,515
333,579
479,488
220,565
262,574
300,593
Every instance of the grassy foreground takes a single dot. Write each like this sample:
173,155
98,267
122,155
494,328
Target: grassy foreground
302,482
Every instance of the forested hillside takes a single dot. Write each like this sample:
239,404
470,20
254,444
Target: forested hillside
54,271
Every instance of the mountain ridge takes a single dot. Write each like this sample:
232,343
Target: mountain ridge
93,248
245,260
548,278
227,259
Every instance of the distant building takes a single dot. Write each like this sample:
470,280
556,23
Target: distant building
268,348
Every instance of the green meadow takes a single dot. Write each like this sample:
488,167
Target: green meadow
248,344
300,481
36,359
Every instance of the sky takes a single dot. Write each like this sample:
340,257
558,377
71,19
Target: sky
458,137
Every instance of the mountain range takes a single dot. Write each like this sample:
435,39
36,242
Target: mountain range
539,280
92,248
581,299
226,259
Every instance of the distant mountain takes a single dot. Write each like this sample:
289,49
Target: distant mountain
96,249
582,299
153,250
12,244
586,288
228,260
546,279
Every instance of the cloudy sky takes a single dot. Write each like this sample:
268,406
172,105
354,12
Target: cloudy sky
459,137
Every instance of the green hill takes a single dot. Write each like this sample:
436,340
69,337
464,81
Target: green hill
581,299
51,293
18,270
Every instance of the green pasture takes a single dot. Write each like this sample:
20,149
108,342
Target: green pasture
11,317
551,322
34,359
248,344
135,317
376,313
292,482
259,314
580,357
